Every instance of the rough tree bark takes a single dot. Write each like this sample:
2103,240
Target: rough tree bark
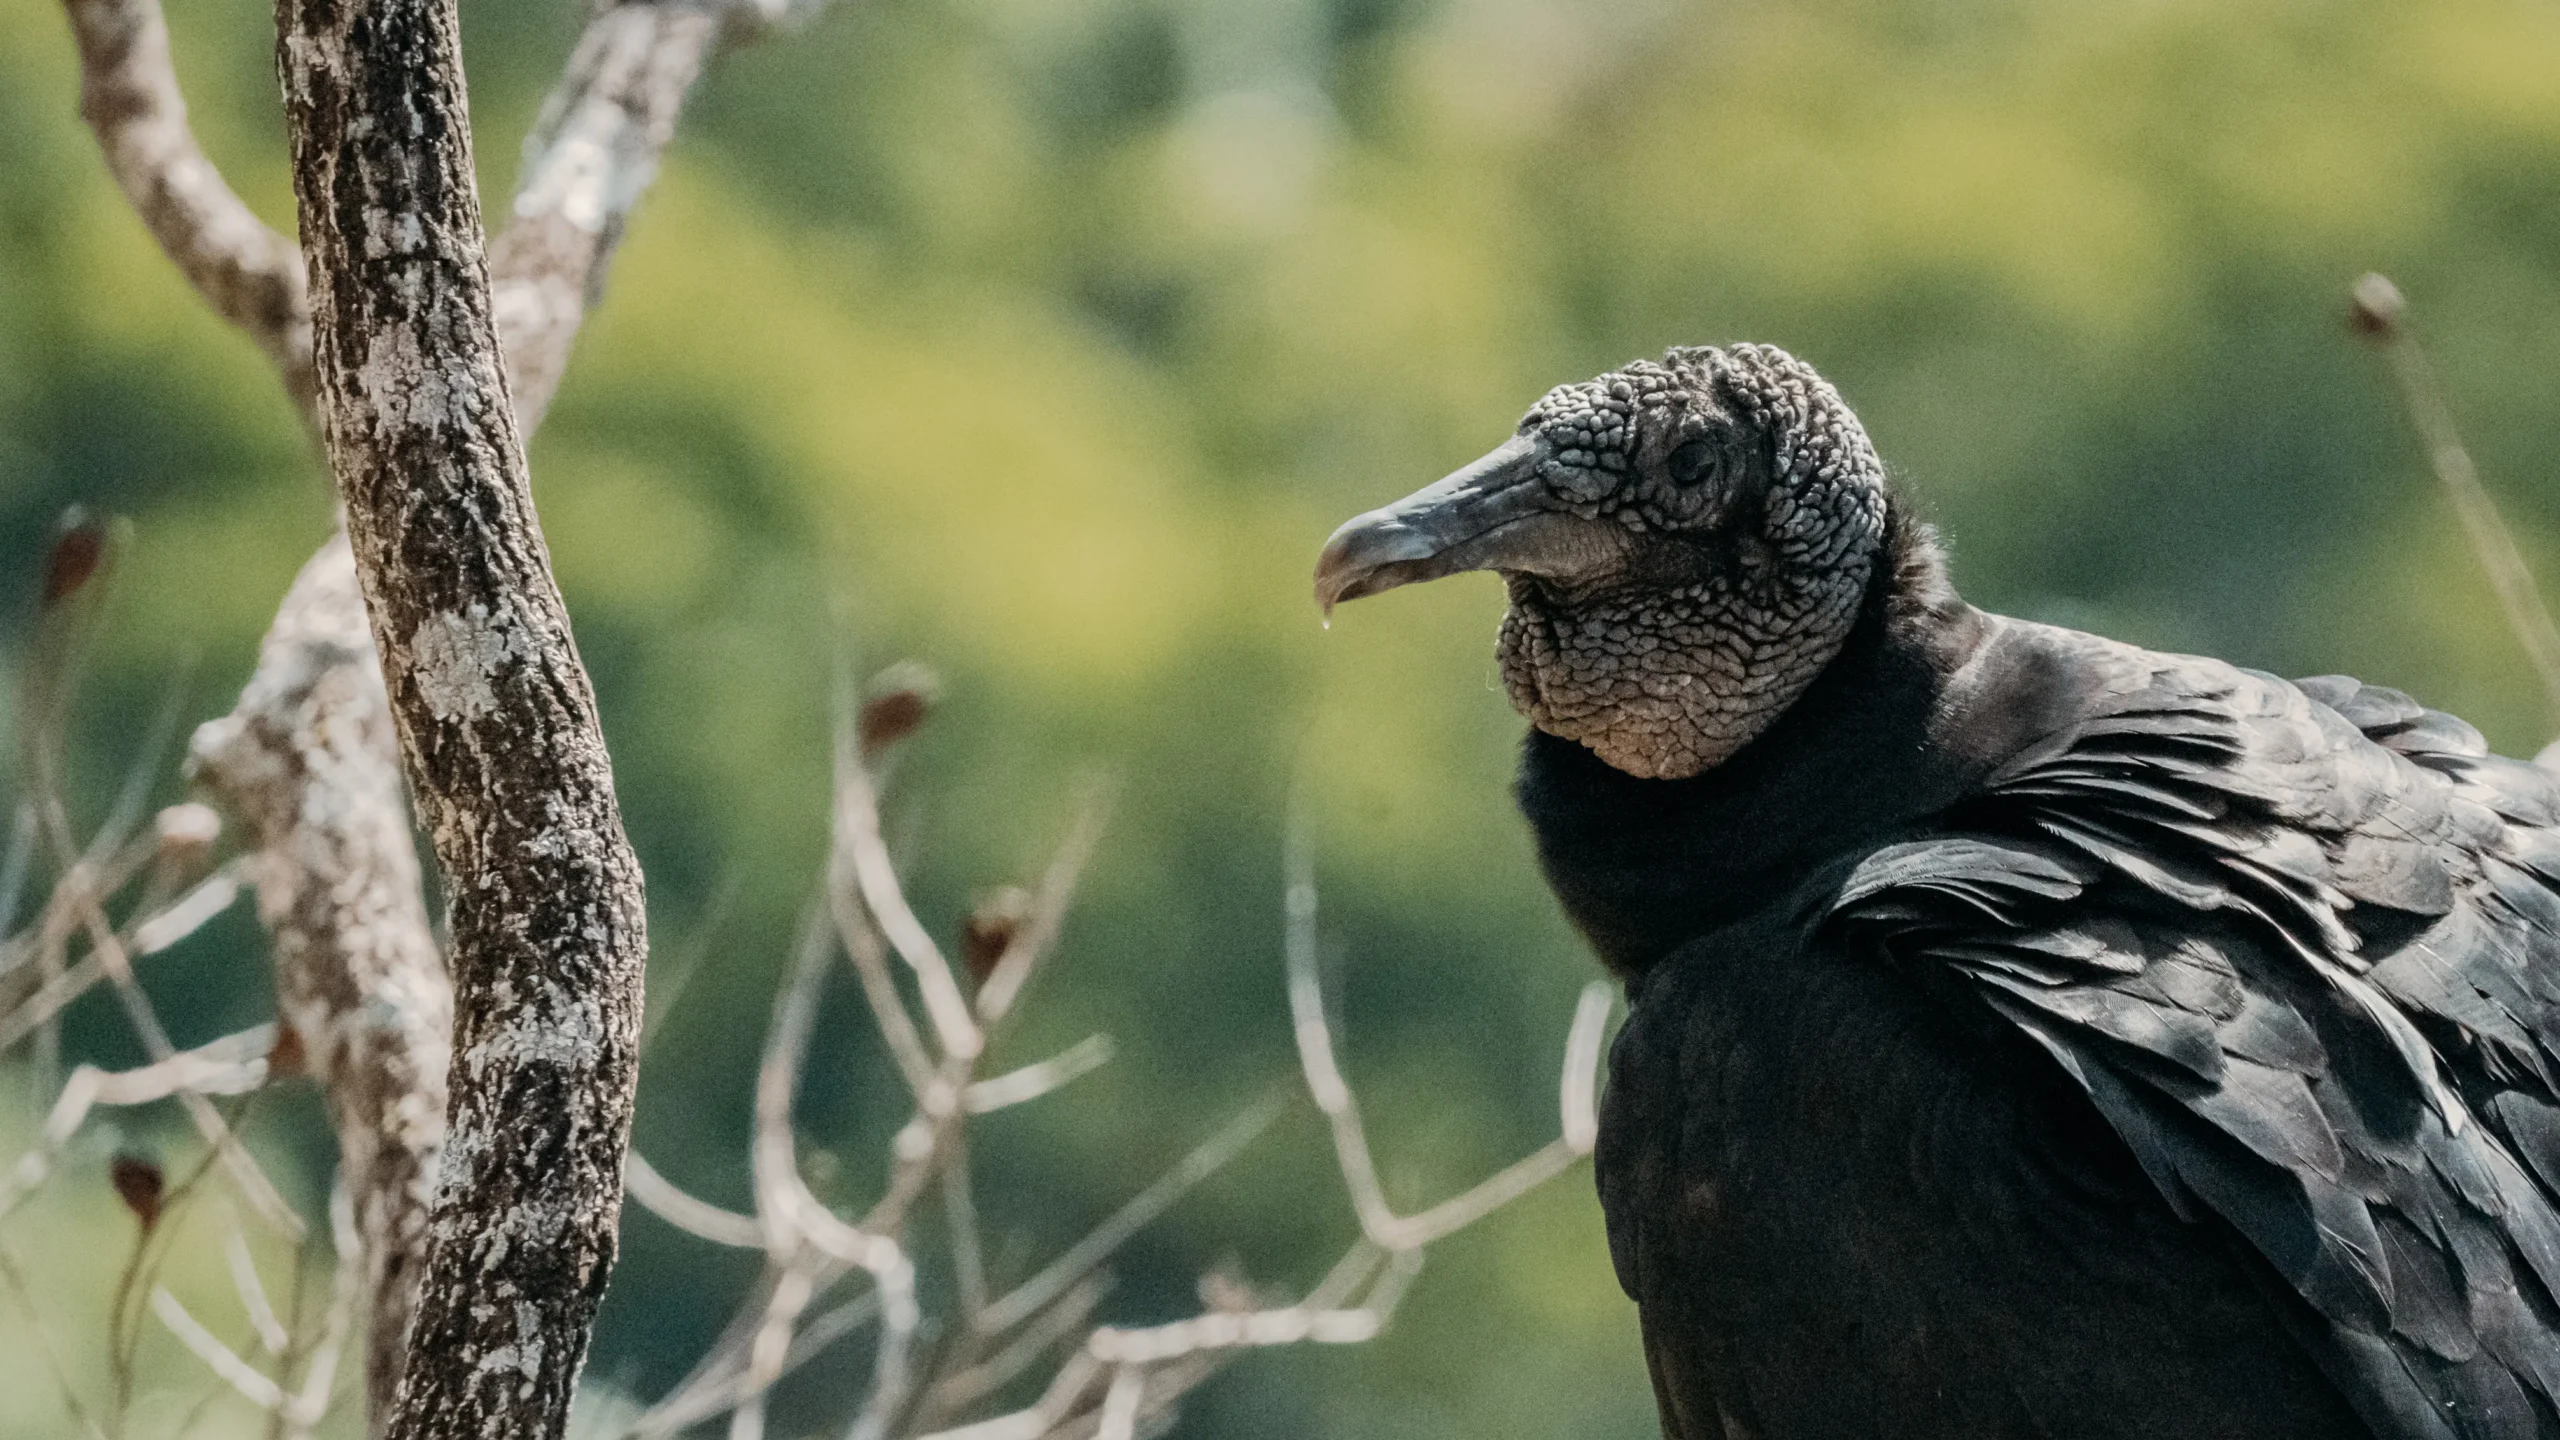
307,760
309,763
498,727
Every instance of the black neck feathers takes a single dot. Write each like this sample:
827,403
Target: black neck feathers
1642,865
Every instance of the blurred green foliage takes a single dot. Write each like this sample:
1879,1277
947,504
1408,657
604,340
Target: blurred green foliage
1045,340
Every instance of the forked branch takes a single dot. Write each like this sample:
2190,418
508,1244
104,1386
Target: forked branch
307,758
1104,1381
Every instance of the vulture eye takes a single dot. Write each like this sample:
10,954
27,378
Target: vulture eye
1695,463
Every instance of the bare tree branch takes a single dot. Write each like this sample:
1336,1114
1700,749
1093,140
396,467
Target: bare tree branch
272,1336
308,756
695,1402
253,1384
109,947
418,415
308,761
497,722
1333,1095
1109,1381
1033,941
1016,1087
858,841
591,154
152,933
1085,1256
227,1066
249,274
1120,1380
346,1287
696,1217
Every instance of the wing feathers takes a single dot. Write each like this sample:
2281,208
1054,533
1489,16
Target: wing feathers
2300,951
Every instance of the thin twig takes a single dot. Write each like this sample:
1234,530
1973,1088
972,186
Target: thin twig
59,918
253,1293
864,946
187,914
252,1384
792,1218
1081,1258
1012,970
156,932
1120,1404
1016,1087
791,1292
249,274
15,865
701,1394
869,956
960,1221
310,1404
15,1276
1050,1328
696,1217
784,1206
891,1379
231,1065
1315,1047
858,837
671,974
931,1134
1333,1094
2381,314
253,1182
707,1397
1290,1325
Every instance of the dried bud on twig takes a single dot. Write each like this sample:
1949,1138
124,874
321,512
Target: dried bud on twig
287,1055
2380,317
1224,1289
2377,309
186,832
140,1185
997,918
899,700
78,546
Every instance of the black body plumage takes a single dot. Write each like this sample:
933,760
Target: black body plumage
2036,1036
2029,1035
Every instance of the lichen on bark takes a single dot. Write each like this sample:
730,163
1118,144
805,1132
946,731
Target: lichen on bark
498,728
308,762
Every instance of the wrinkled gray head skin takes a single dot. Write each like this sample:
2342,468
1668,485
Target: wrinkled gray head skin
1687,543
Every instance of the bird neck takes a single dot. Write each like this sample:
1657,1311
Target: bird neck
1666,676
1643,864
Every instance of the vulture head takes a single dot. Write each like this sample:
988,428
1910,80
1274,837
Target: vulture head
1687,543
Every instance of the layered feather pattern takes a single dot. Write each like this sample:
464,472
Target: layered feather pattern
2299,945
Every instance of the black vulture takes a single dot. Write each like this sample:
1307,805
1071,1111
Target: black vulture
2029,1034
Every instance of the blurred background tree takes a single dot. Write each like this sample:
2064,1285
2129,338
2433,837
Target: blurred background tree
1046,339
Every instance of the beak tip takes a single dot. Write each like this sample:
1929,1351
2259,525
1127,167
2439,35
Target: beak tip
1341,568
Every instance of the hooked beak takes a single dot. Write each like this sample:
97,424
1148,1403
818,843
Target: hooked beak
1492,515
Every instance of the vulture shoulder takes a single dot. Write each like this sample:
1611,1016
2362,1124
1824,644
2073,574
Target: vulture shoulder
2299,946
